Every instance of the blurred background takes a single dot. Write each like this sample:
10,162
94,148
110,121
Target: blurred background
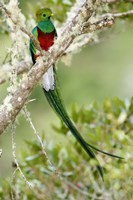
99,71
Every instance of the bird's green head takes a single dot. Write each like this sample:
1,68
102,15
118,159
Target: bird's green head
43,14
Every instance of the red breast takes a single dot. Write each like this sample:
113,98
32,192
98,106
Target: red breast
46,40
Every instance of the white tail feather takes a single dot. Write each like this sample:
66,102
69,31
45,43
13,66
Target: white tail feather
48,79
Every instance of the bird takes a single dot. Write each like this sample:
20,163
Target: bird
46,34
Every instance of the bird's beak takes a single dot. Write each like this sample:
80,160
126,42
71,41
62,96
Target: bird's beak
52,14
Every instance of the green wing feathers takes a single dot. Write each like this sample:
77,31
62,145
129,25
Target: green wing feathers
32,46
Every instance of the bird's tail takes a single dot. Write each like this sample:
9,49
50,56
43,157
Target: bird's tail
54,99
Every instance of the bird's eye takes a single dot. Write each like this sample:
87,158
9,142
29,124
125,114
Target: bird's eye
44,15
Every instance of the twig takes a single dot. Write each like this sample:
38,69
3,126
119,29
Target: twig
40,140
117,15
110,1
12,183
19,169
15,160
100,24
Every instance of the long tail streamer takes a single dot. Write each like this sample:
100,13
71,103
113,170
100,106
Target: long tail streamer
55,101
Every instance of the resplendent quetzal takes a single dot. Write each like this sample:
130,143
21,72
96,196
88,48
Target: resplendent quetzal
45,33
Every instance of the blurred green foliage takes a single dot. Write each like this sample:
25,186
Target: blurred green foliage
109,128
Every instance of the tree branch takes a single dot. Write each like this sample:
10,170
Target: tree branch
21,68
87,28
